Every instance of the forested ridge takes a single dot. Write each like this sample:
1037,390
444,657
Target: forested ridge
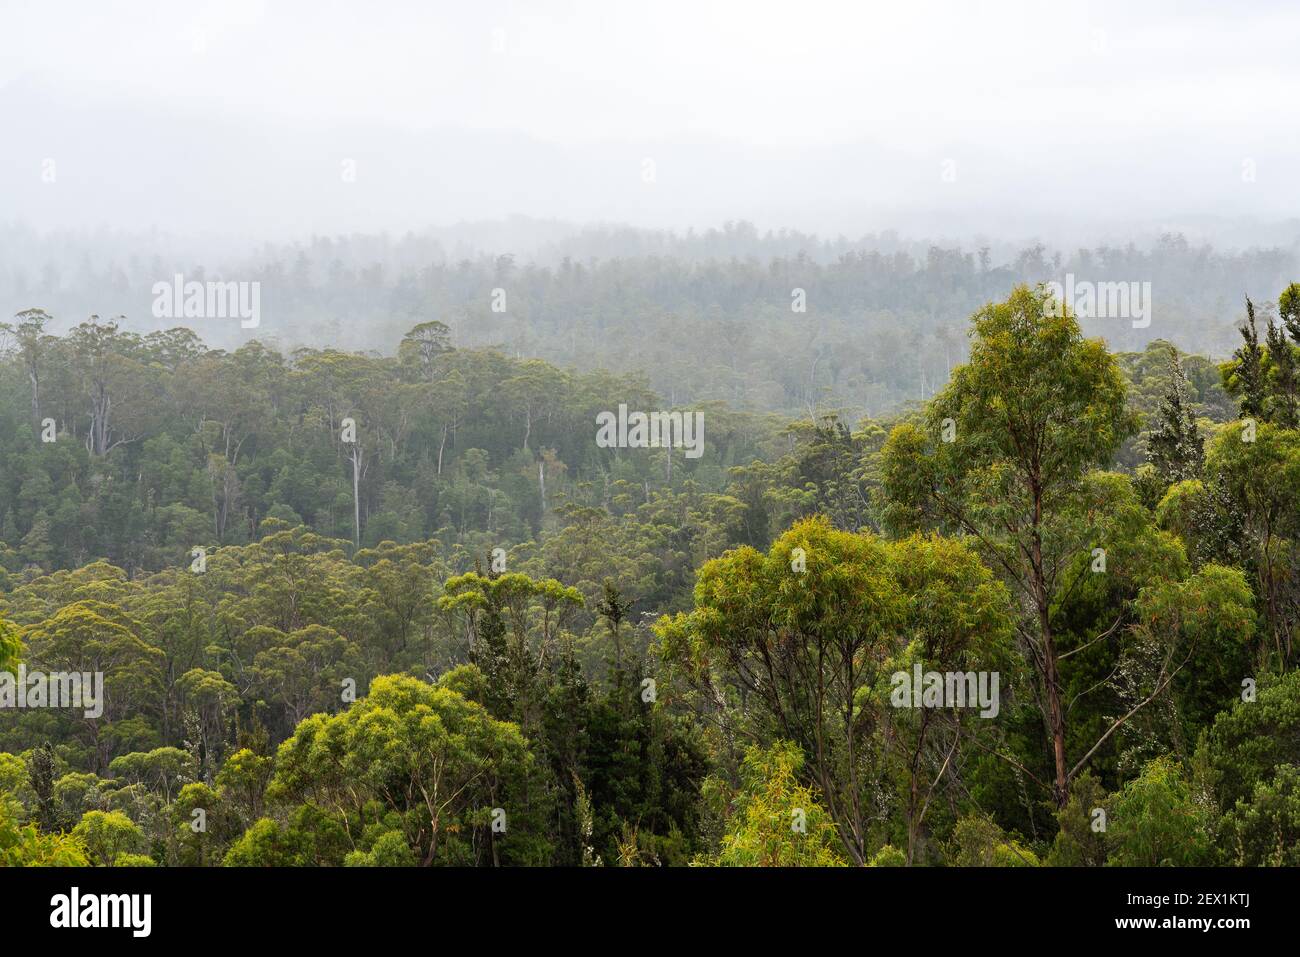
367,609
703,316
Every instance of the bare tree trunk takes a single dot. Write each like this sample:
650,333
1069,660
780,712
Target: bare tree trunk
36,400
356,492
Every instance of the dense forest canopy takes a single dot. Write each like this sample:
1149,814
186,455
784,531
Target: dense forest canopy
704,316
400,607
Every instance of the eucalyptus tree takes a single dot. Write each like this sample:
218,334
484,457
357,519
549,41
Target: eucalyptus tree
1007,455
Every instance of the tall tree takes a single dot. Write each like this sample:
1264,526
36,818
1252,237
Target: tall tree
1175,445
33,346
116,384
1283,400
1009,441
1248,374
802,632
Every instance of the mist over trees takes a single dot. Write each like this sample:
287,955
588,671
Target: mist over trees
450,449
704,316
364,608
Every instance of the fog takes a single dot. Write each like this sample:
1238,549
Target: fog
694,432
221,125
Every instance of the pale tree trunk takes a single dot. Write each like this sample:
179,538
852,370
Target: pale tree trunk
36,400
356,491
100,408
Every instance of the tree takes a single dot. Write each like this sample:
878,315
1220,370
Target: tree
439,764
1264,830
978,842
1157,822
34,345
27,846
40,764
107,836
511,650
1003,458
243,781
1175,445
11,646
225,416
1258,472
1247,744
775,821
1246,379
337,384
1081,838
1283,405
421,346
1288,308
401,578
805,645
114,381
95,637
957,620
311,837
202,826
613,610
533,387
163,770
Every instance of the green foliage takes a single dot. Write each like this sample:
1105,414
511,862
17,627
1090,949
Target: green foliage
310,837
1246,745
810,631
1264,830
348,675
888,856
800,644
1157,821
437,762
978,842
1003,456
1174,444
776,822
390,850
107,836
1081,839
27,846
11,646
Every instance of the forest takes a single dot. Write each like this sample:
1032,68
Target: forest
703,316
365,608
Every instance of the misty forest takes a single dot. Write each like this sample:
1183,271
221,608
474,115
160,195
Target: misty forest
391,603
704,434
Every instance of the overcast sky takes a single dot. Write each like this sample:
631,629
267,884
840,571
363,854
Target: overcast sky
278,119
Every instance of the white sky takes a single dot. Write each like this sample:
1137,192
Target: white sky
796,113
